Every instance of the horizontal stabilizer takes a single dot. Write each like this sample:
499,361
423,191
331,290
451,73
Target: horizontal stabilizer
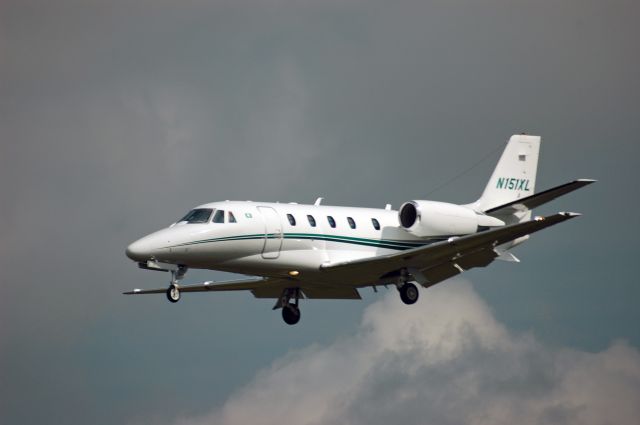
533,201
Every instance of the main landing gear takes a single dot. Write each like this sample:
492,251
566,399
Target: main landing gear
173,292
408,293
291,314
408,290
290,310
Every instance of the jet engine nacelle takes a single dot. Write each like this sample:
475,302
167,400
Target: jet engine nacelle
431,218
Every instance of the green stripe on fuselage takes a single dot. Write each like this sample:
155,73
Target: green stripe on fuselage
379,243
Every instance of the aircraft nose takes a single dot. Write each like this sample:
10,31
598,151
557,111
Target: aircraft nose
138,251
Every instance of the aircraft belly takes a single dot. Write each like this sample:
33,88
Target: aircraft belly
339,253
302,261
209,254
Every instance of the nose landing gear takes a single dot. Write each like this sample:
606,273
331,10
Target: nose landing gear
173,292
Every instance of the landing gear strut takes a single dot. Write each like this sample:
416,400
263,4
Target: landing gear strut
290,310
173,292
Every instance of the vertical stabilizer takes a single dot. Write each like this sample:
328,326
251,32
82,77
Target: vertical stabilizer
515,175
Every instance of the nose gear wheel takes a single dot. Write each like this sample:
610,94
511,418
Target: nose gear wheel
173,293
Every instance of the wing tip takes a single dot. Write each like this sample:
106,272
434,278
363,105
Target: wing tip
569,214
587,181
134,292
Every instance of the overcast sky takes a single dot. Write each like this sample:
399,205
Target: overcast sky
116,117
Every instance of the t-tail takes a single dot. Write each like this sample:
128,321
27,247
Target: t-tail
513,178
510,193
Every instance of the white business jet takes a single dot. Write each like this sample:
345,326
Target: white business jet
327,252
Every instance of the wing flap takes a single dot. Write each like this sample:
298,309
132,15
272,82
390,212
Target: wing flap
439,273
456,266
480,258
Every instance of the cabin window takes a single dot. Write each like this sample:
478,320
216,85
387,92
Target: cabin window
376,225
199,215
331,221
218,217
232,218
292,219
352,223
312,221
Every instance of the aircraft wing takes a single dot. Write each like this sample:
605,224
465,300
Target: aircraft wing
533,201
251,284
436,262
267,287
236,285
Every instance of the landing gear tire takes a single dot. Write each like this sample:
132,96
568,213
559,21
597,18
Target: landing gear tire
173,294
291,314
409,293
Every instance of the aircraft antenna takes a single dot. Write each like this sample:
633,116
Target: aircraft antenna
465,172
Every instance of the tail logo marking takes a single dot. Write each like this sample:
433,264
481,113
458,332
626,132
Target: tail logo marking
513,184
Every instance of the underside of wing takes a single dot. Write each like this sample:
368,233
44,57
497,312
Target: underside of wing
331,292
264,288
436,262
273,288
309,290
447,269
251,284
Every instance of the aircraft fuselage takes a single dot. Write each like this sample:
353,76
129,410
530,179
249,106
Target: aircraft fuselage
272,239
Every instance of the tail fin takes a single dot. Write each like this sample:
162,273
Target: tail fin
515,175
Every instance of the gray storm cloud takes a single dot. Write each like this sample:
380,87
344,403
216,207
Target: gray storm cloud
446,360
117,117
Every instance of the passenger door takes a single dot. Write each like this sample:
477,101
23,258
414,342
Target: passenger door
272,233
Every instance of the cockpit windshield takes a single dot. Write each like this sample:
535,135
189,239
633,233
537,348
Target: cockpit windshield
199,215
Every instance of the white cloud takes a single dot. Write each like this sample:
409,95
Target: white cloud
444,360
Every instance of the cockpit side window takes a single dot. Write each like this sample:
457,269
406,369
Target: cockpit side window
232,218
199,215
218,217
